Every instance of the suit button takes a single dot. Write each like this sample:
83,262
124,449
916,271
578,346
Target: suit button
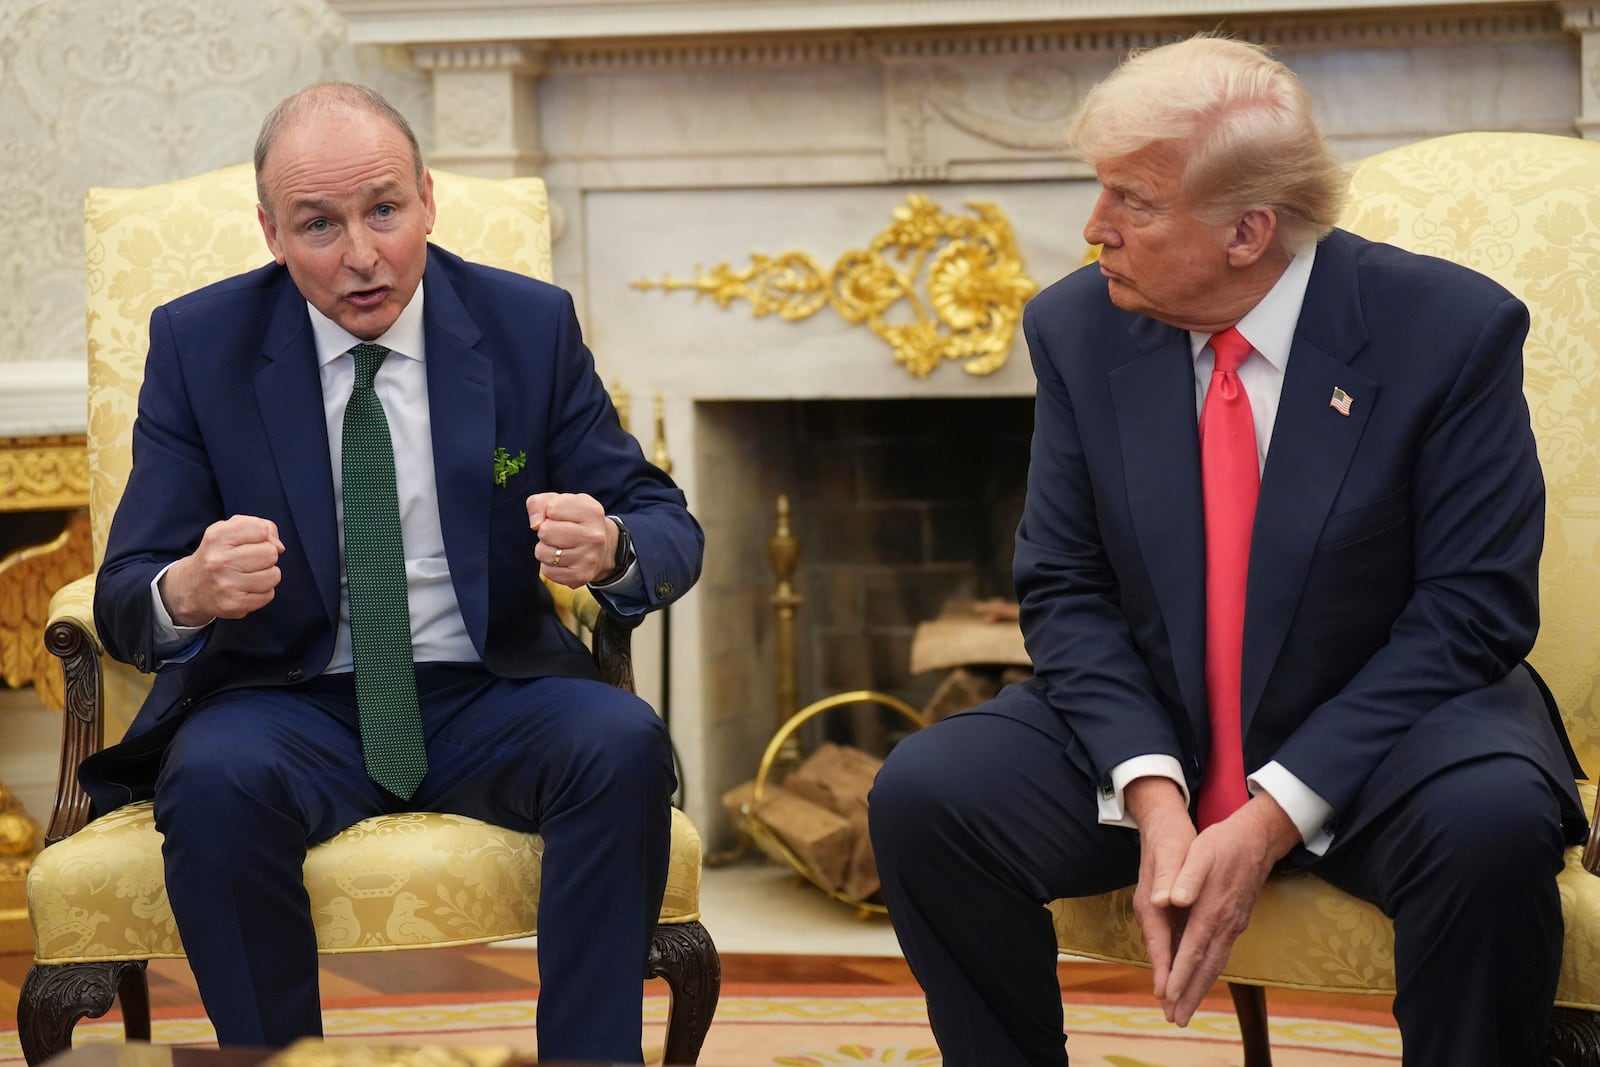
185,702
293,676
663,590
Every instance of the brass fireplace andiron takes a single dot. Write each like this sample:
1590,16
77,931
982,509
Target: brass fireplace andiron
810,811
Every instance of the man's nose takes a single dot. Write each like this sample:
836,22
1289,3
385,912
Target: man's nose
361,252
1098,230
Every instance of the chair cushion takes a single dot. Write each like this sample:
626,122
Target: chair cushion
411,880
1305,934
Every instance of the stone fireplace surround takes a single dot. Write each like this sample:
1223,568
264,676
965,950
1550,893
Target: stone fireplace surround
681,134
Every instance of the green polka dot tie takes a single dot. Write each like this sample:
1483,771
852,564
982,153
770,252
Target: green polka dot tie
375,569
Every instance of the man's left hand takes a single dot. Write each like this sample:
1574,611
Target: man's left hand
1219,882
577,542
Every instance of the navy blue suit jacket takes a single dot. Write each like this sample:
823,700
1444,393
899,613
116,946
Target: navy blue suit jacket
231,422
1393,585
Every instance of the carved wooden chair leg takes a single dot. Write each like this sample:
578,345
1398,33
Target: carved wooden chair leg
54,998
133,992
1574,1038
1250,1005
684,955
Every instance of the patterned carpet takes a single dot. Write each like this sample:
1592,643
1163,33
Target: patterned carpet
774,1012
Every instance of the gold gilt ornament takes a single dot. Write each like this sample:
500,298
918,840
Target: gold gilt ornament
973,273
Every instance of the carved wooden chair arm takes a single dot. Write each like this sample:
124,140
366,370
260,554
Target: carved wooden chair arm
71,636
610,638
1591,848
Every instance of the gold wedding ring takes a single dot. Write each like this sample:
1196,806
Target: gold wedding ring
557,560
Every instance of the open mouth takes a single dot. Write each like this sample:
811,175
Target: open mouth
366,299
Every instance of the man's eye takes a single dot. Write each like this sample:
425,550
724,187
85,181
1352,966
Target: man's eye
384,211
317,226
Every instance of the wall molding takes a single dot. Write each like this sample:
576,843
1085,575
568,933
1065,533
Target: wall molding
1300,33
388,21
41,397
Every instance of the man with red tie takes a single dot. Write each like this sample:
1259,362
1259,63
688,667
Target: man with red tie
1277,572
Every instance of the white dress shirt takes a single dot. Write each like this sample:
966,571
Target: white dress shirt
1269,327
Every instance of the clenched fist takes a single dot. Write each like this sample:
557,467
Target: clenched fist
577,543
232,573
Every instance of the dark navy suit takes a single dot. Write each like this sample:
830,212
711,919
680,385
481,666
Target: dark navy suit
230,423
1392,595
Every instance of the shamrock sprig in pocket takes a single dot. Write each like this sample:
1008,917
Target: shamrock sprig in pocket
505,464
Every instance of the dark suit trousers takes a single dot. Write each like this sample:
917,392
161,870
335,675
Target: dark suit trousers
983,817
254,777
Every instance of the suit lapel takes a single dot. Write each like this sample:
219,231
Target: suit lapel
288,386
1308,459
1153,395
462,417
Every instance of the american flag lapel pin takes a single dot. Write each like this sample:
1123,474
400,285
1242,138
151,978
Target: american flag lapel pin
1340,401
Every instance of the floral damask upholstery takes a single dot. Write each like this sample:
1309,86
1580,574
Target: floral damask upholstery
1525,210
97,896
394,881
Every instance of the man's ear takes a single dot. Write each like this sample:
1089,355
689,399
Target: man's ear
1254,235
269,230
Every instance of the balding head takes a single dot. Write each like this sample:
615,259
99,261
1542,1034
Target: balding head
320,99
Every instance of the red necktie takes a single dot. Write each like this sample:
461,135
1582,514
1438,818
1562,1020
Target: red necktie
1230,479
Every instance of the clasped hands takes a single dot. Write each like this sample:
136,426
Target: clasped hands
1196,890
234,571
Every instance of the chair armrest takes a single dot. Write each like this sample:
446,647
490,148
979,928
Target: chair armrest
70,635
611,641
1591,848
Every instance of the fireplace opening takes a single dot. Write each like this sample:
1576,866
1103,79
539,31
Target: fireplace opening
900,507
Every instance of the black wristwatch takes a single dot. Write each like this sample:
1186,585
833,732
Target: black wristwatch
624,555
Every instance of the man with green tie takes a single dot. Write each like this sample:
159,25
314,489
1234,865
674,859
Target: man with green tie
350,468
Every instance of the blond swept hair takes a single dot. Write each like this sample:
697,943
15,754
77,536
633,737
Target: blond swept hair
1243,120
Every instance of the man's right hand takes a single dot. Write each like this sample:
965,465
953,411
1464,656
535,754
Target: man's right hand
232,573
1165,834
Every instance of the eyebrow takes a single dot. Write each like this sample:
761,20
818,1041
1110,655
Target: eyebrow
1136,189
322,206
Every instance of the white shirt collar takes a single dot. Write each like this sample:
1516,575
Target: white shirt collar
404,337
1269,326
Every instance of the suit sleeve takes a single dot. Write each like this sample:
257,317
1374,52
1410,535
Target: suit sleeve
591,453
1477,512
169,501
1076,633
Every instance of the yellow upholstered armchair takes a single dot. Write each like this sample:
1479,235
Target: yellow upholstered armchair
1525,210
96,895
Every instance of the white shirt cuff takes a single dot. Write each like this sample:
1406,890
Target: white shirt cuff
173,643
1112,810
1308,811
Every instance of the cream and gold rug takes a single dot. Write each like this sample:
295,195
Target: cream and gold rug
818,1027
